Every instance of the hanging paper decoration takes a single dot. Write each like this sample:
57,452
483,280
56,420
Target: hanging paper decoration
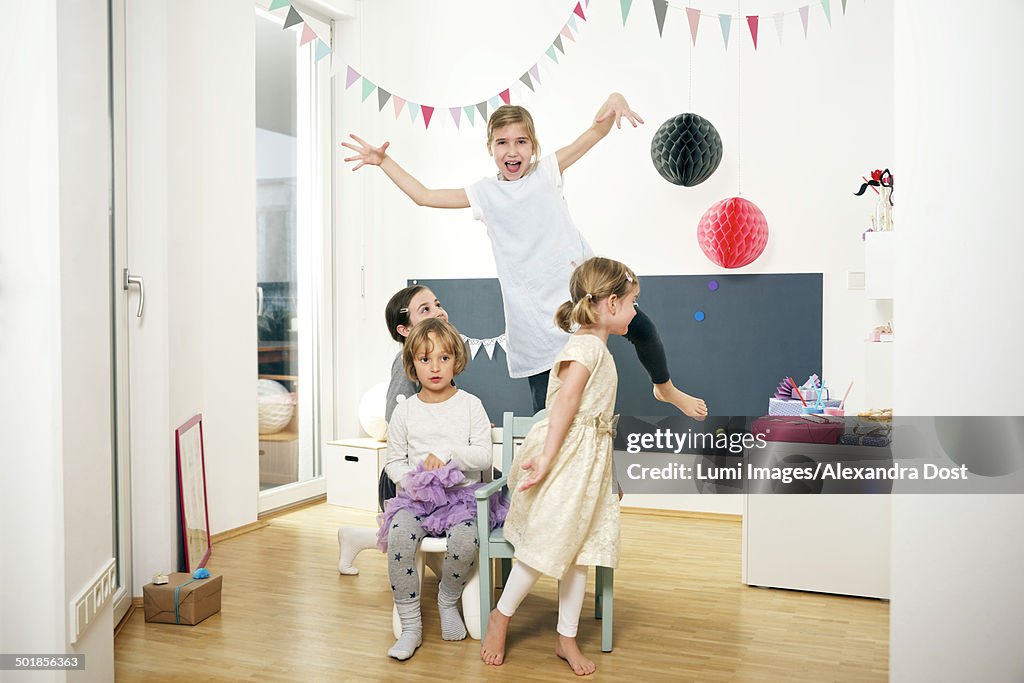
732,233
828,11
693,17
752,25
686,150
486,344
624,5
308,34
322,50
803,18
726,22
292,18
660,10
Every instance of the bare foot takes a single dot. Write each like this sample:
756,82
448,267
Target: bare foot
492,650
689,405
570,652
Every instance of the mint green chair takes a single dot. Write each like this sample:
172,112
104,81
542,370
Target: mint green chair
493,545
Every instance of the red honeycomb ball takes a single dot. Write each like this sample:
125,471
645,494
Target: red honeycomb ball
732,233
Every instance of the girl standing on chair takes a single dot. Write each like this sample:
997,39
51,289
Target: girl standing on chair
564,514
535,243
440,428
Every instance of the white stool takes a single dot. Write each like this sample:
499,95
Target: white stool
431,553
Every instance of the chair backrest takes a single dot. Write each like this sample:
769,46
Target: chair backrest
514,430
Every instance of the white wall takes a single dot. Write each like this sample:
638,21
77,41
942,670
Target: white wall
31,467
56,502
815,116
957,608
192,235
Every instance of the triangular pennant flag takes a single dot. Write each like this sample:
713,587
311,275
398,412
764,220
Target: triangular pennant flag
572,22
482,108
427,113
535,73
660,10
399,103
752,25
504,96
489,347
693,17
726,22
525,78
558,44
844,8
474,347
470,114
368,88
322,50
803,18
494,102
825,5
382,98
456,113
414,111
624,5
567,33
277,4
351,76
578,11
550,52
292,18
502,343
779,18
308,34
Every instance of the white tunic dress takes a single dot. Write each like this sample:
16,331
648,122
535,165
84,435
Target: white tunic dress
536,247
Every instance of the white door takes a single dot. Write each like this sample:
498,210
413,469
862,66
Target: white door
127,299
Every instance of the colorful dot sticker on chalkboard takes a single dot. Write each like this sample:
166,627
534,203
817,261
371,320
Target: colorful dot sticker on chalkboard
699,316
712,285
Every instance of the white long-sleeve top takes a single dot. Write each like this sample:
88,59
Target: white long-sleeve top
457,429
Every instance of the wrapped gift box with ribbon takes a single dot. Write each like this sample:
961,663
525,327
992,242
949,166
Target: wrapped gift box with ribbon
183,599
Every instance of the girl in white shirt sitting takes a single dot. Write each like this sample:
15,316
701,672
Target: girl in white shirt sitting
535,243
439,446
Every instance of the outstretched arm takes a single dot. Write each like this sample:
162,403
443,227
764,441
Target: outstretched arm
367,154
574,376
612,111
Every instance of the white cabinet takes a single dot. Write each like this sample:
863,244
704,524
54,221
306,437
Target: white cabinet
351,470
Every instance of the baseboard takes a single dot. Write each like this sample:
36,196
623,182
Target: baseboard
285,509
683,514
237,531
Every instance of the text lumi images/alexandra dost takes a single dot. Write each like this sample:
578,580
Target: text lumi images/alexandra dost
737,443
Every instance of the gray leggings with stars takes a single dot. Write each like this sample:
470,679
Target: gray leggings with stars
404,538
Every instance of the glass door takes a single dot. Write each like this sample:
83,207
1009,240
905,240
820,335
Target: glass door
290,93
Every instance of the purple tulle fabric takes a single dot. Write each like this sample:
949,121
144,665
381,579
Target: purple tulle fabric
435,497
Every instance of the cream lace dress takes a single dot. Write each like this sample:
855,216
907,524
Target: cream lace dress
572,517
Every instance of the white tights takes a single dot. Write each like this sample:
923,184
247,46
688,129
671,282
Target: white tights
571,591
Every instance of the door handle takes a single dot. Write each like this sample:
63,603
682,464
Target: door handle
136,280
259,300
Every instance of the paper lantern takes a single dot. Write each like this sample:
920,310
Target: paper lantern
372,410
686,150
732,233
275,406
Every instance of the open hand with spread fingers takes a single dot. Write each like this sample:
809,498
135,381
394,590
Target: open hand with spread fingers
365,152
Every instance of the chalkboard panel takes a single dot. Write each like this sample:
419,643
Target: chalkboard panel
756,329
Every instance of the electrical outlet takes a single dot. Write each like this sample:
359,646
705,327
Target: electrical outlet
91,599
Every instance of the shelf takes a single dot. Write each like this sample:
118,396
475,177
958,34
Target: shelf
283,435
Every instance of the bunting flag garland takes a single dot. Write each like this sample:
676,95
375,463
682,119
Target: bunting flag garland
660,11
486,344
693,17
320,49
531,78
624,5
292,18
308,34
726,22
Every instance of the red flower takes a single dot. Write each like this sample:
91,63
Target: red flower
876,174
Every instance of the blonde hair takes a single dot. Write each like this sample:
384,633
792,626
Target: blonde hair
445,335
595,279
507,115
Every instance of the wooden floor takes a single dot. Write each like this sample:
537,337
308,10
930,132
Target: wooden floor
681,614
